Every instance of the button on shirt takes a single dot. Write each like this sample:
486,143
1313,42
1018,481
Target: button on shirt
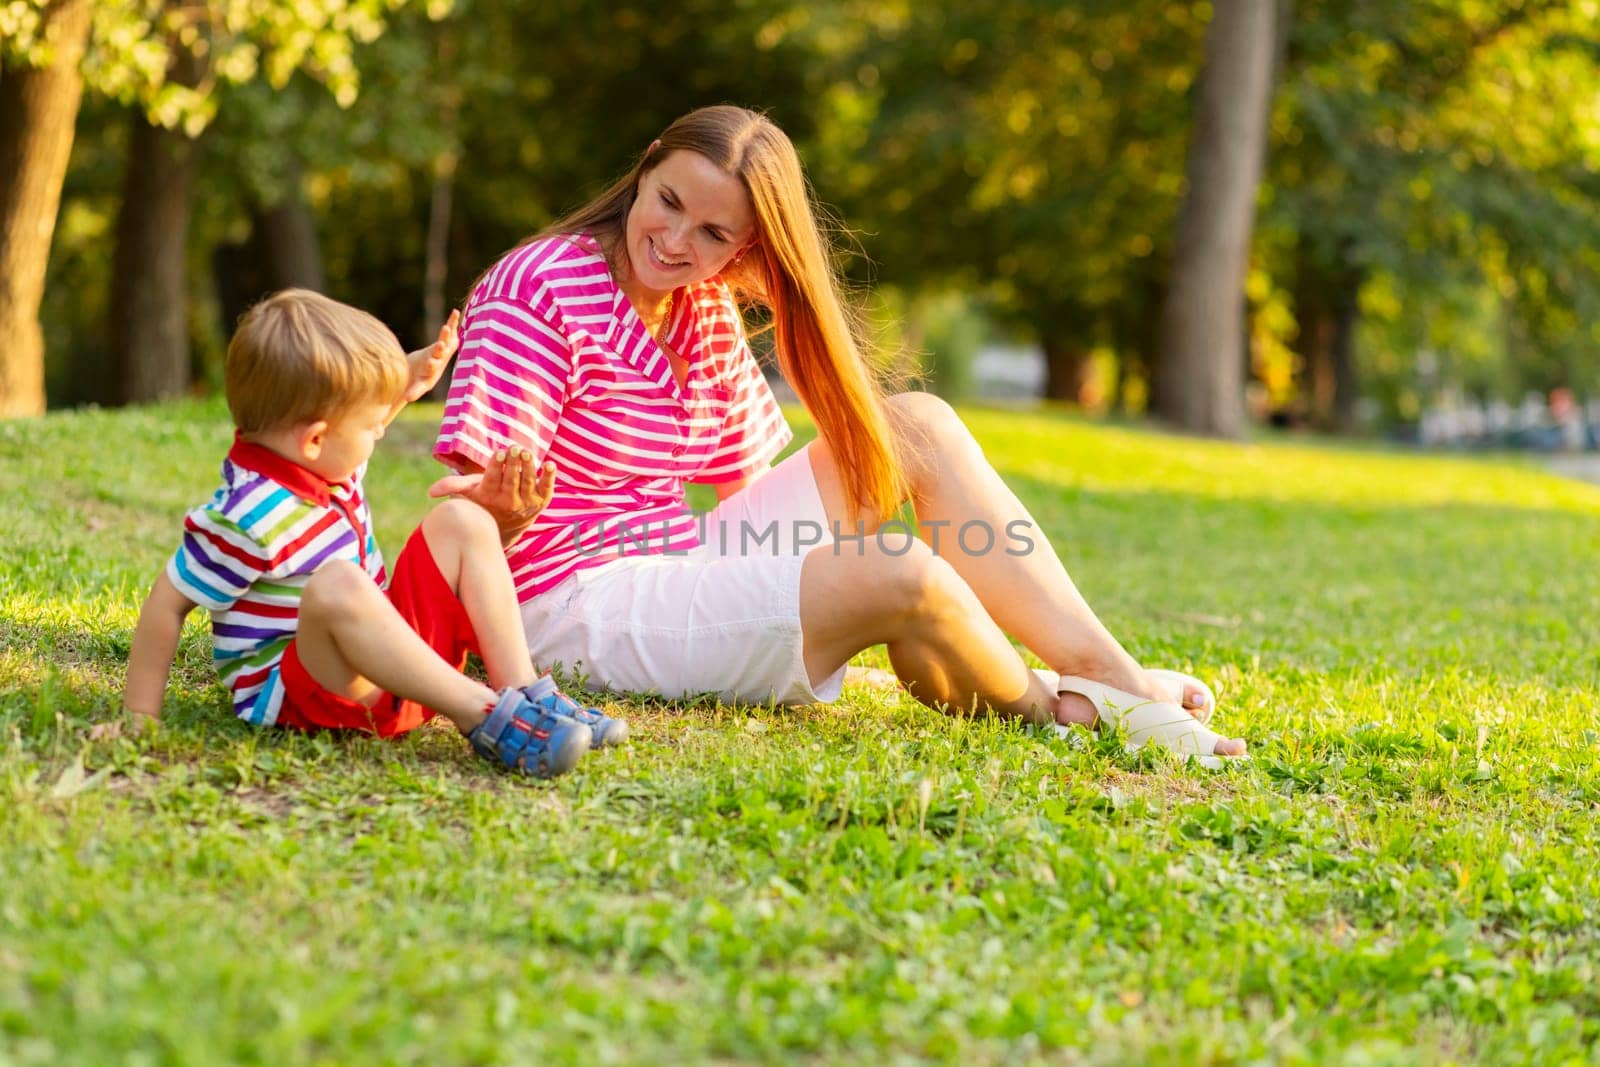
554,359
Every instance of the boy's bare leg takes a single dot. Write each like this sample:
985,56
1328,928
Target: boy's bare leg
465,542
353,642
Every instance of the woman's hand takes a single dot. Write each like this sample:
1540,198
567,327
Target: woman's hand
512,489
427,364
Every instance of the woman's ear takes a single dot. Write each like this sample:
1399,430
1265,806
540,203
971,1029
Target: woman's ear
648,152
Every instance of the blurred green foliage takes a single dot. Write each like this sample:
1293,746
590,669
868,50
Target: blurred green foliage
1445,158
1436,162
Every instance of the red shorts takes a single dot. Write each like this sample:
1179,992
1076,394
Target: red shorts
430,607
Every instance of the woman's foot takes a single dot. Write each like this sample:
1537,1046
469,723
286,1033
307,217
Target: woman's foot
1174,687
1138,721
1073,709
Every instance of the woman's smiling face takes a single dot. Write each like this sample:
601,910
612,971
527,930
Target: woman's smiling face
688,220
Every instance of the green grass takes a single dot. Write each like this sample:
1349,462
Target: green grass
1405,873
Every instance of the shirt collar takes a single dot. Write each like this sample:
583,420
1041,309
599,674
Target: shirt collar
629,338
301,481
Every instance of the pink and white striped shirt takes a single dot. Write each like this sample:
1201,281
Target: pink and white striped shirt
554,359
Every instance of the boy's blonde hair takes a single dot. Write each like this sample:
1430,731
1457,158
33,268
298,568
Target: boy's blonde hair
299,356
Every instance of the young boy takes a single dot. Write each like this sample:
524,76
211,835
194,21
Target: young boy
283,557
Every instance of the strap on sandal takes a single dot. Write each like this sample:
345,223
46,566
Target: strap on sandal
1142,720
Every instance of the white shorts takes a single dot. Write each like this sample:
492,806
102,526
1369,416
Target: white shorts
723,619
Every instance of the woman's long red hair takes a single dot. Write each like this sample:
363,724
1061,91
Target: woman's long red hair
790,270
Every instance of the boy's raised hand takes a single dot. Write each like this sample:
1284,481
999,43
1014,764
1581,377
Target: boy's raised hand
427,364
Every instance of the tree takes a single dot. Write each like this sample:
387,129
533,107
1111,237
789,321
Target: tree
252,208
534,123
1433,177
39,94
1025,150
150,288
1199,378
149,280
134,47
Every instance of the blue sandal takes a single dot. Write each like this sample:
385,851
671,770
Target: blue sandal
527,732
607,730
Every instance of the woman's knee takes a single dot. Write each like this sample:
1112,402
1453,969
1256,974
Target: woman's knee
931,434
918,585
850,601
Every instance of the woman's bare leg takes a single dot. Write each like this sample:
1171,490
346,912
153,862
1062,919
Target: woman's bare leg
1028,594
943,645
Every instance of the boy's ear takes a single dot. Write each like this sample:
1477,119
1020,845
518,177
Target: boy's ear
309,436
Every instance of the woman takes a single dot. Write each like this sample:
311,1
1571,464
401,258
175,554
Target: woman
612,346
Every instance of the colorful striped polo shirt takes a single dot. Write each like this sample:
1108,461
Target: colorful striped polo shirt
555,359
246,557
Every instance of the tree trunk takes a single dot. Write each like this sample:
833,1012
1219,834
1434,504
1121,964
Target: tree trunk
149,288
38,112
239,273
287,234
1066,367
1316,350
437,266
1327,310
1202,322
1314,345
1341,351
1125,325
281,252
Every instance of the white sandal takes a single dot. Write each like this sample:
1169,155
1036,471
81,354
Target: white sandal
1186,682
1143,720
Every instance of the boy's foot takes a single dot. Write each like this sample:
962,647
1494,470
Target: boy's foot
528,734
607,729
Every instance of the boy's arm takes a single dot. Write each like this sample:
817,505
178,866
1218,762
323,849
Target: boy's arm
155,643
427,364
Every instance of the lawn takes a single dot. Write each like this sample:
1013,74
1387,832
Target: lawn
1404,873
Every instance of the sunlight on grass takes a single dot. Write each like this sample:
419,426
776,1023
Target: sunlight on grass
1113,459
1403,873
